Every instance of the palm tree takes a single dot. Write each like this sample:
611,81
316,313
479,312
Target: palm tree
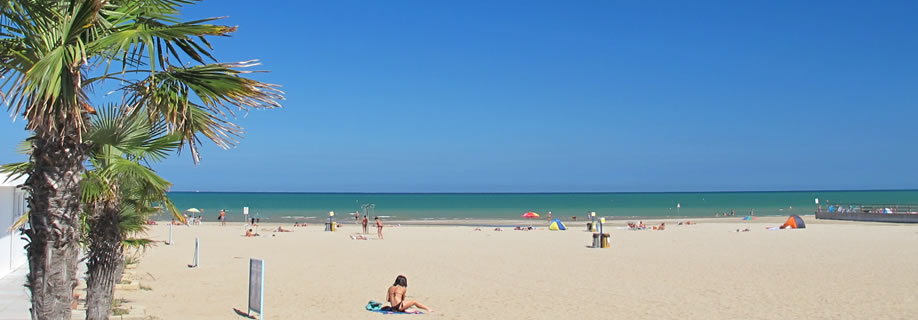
119,193
52,52
41,63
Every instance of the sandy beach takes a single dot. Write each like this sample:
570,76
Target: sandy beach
830,270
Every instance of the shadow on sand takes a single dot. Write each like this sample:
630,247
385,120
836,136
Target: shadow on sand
243,314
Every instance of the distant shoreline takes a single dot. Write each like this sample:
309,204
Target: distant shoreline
548,192
487,222
315,207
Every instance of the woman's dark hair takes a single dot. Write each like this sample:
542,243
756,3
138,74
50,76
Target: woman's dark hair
401,281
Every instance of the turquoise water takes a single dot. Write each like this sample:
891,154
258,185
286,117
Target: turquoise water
286,207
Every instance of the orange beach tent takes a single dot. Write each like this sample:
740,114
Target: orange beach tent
794,222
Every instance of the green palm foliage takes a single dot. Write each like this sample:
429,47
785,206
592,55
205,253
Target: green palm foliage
119,193
52,52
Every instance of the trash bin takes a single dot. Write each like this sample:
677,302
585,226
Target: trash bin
596,240
591,227
334,227
328,226
605,240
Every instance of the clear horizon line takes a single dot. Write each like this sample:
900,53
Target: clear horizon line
554,192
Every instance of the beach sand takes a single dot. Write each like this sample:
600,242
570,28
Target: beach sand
831,270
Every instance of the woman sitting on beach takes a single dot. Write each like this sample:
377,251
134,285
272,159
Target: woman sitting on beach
662,226
396,296
248,233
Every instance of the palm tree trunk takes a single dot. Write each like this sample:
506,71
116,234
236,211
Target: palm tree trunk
54,208
106,259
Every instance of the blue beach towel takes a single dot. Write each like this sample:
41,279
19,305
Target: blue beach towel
374,306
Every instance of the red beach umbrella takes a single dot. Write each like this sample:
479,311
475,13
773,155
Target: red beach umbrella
530,214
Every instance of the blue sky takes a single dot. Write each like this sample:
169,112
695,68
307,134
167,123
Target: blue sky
478,96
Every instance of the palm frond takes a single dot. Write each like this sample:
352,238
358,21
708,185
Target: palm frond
221,89
19,223
137,243
24,147
16,170
44,67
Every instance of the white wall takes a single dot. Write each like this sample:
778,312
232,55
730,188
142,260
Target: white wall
12,206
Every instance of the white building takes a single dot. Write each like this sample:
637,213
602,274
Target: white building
12,206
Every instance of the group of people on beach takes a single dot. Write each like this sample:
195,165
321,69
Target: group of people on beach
731,214
252,232
641,226
364,221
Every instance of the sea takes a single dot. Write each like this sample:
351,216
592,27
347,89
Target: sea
312,207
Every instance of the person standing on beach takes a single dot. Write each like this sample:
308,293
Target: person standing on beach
223,217
365,221
379,228
549,216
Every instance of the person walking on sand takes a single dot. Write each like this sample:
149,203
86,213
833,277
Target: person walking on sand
365,221
378,228
223,217
396,295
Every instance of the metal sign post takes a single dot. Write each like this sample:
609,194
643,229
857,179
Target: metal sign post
197,252
257,287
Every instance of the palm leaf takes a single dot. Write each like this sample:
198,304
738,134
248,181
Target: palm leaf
219,87
15,170
19,223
